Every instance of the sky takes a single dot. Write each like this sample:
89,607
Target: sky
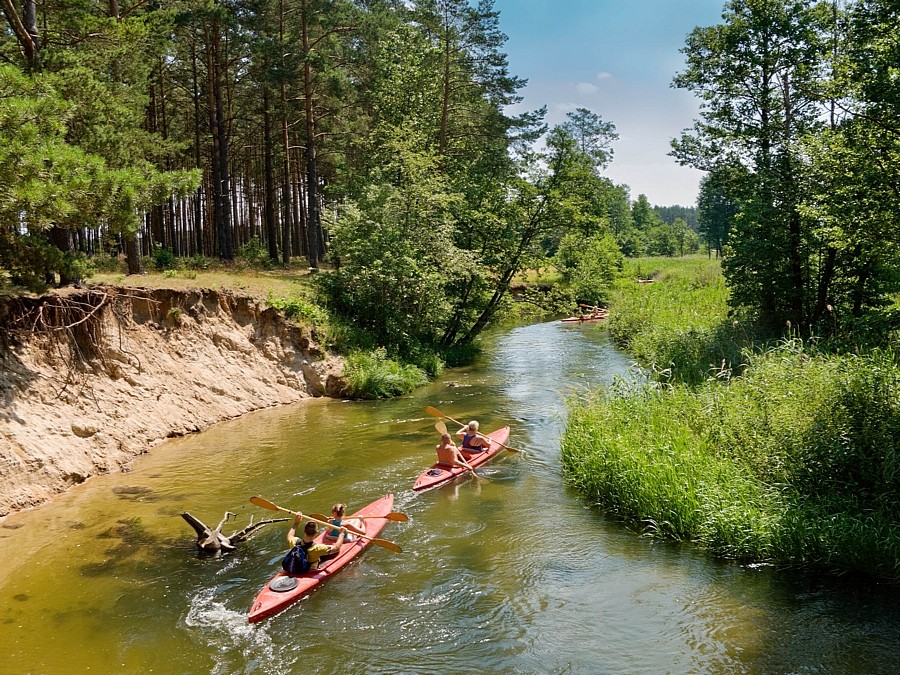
617,58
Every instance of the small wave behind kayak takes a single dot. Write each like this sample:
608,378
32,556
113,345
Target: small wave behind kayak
234,645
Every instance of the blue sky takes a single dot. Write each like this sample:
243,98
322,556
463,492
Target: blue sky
616,58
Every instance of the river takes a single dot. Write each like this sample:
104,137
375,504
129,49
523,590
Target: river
516,574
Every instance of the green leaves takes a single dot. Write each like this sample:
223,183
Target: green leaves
48,181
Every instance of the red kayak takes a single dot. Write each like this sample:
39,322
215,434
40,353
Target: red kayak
285,589
439,474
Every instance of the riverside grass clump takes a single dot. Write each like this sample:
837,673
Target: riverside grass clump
373,375
678,326
794,463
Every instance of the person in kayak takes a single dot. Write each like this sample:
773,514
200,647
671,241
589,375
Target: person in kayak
337,519
472,441
314,552
450,455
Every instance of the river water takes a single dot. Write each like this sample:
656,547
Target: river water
516,574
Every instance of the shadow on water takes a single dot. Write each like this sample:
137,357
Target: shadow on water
515,574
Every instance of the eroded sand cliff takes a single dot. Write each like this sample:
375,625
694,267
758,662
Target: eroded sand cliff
91,378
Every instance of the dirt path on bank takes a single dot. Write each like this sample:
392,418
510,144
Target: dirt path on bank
89,379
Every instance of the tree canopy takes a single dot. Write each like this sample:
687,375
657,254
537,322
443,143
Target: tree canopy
799,134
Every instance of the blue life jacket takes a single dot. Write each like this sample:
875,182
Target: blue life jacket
467,443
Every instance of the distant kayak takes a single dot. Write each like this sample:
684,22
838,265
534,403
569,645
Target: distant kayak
438,474
595,316
284,589
588,313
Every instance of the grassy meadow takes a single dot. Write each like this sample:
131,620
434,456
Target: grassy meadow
794,462
677,326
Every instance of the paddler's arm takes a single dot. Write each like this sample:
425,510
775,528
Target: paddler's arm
336,546
462,461
355,529
292,533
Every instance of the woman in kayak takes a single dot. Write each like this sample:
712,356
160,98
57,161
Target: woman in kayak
450,455
354,525
472,441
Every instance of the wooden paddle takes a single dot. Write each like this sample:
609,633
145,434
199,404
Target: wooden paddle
266,504
442,429
438,413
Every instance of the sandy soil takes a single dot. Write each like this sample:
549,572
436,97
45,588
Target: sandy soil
89,379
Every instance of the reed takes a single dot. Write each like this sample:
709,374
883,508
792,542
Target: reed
373,375
795,462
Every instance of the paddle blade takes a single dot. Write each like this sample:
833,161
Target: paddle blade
441,428
434,411
265,503
397,517
384,543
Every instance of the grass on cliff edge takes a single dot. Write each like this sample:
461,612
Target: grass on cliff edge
369,373
261,284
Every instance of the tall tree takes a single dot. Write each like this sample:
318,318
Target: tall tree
718,203
758,76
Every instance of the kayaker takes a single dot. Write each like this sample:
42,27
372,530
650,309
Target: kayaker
337,519
450,455
315,552
472,441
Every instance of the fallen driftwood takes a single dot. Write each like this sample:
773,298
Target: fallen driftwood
213,541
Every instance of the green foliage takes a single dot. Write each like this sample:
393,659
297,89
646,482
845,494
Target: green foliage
678,326
198,262
461,354
589,265
395,256
374,375
795,462
163,259
255,254
103,262
47,182
802,188
300,310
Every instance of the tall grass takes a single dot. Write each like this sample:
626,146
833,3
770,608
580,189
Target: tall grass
374,375
796,462
678,326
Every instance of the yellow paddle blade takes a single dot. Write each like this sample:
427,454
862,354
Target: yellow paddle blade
441,428
266,504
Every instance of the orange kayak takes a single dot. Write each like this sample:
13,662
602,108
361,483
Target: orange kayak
438,474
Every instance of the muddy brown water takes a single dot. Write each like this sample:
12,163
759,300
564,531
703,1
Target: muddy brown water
513,575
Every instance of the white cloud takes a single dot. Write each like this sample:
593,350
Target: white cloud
604,76
586,88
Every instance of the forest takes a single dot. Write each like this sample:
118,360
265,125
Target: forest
370,139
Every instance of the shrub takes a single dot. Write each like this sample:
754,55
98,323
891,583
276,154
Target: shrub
255,254
373,375
163,258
